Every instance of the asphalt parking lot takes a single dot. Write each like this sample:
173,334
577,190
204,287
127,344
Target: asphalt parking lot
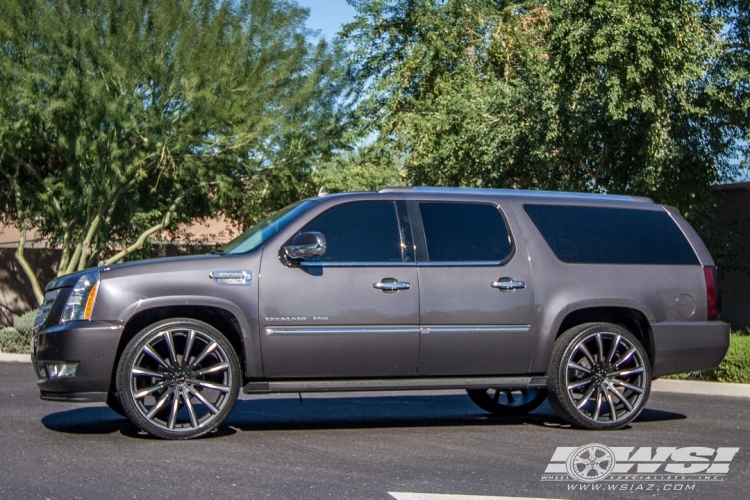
368,446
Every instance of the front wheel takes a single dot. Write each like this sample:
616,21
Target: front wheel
508,402
599,376
178,379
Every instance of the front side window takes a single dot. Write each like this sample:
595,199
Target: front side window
359,232
465,232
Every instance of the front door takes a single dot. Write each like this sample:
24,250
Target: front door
352,312
477,301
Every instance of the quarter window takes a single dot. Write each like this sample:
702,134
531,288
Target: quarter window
598,235
359,232
465,232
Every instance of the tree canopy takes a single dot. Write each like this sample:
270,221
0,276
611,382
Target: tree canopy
121,118
619,96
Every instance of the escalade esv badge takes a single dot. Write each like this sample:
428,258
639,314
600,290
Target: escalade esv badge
420,288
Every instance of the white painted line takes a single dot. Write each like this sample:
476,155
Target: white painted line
701,388
404,495
14,358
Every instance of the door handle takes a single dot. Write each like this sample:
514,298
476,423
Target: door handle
508,284
391,285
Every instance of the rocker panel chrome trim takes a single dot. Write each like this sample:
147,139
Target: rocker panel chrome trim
395,384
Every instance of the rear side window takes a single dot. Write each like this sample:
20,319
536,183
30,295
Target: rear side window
465,232
359,232
596,235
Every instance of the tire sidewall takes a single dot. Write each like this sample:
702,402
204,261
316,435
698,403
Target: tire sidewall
558,371
134,347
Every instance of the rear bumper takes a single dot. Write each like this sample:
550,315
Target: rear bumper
688,346
91,344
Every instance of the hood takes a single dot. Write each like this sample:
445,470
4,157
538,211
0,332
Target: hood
146,266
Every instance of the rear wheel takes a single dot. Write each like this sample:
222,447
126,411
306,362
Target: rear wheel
508,402
178,379
599,376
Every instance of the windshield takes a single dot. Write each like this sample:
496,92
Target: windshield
254,237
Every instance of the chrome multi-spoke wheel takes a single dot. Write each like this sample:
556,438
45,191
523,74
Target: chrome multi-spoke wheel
178,378
508,402
599,376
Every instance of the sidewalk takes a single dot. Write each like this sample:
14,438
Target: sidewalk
701,388
14,358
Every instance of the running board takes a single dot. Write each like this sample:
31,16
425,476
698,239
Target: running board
401,384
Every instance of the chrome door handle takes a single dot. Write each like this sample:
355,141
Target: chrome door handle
508,284
391,285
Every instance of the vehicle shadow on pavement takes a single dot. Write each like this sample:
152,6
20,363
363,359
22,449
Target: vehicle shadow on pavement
102,420
322,412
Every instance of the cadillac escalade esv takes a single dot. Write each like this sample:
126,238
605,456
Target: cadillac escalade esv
515,296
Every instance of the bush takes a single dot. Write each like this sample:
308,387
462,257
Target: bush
736,365
25,323
12,341
17,339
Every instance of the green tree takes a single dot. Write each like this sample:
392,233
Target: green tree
609,96
120,119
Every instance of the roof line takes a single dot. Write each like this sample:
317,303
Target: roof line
516,192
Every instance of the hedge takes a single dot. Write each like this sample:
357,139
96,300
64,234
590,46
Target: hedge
17,339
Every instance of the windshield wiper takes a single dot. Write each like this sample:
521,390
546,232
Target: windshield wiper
217,251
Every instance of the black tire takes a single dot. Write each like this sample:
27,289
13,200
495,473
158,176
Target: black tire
599,376
114,404
507,402
178,378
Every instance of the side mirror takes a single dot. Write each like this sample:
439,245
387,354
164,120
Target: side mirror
305,245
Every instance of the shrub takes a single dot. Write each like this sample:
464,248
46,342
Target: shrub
25,323
12,341
736,365
17,339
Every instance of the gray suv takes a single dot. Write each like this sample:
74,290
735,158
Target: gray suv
515,296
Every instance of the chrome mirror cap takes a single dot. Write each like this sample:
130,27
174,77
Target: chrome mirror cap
305,245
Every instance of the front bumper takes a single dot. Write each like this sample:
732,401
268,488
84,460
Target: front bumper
91,344
681,347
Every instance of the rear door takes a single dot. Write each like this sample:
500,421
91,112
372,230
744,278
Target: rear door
476,289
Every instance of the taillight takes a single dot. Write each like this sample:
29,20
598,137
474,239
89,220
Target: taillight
713,296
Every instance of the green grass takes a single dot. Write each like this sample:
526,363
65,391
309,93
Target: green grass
734,368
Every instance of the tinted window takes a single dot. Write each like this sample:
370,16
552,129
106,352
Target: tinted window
359,232
463,232
611,235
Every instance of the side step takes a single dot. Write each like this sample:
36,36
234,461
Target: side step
407,384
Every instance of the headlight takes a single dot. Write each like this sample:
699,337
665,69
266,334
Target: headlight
80,304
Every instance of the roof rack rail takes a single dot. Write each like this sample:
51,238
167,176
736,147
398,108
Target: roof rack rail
534,193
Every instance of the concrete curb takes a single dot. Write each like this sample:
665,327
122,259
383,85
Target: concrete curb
14,358
700,388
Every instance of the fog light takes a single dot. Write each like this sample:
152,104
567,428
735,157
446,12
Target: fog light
60,370
42,371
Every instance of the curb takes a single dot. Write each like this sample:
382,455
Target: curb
15,358
700,388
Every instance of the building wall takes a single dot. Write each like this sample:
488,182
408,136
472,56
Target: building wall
16,295
734,214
